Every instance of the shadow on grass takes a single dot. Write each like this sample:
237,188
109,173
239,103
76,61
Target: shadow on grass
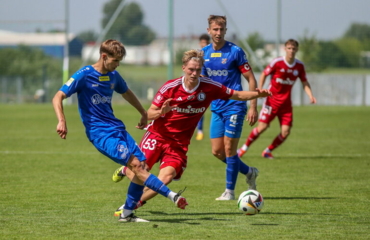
299,198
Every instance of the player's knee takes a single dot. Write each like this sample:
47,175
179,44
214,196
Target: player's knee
218,154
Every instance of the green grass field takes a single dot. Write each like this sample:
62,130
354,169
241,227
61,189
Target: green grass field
318,186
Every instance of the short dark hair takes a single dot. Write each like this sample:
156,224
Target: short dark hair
204,36
292,41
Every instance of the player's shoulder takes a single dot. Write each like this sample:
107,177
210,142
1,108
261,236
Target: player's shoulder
208,81
299,62
171,84
84,70
278,60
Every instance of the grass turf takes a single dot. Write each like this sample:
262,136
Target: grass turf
317,187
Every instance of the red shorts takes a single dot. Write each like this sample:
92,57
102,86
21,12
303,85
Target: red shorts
284,114
165,151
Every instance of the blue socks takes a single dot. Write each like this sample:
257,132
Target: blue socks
234,166
134,193
157,185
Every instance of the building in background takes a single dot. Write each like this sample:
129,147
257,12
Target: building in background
51,44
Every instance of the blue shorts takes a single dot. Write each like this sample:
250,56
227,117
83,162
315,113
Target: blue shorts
227,124
118,146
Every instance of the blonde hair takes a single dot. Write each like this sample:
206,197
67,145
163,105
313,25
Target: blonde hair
196,55
217,19
113,48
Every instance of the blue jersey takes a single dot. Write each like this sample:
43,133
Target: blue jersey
94,92
225,66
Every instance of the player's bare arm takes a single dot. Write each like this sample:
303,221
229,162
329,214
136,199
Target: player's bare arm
262,80
130,97
307,89
249,95
155,112
252,115
58,108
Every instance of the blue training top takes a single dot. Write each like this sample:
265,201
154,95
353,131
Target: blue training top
94,92
223,66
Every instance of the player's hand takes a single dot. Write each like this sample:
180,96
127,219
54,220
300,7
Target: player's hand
313,100
143,121
62,130
263,92
166,106
252,116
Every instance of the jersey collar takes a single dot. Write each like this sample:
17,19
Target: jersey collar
187,90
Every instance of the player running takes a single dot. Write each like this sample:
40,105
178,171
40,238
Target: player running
175,111
284,72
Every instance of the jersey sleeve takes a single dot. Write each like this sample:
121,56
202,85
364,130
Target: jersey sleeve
242,61
302,74
74,84
269,69
159,98
222,92
121,85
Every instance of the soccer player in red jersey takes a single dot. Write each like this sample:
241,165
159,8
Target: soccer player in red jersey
175,111
284,72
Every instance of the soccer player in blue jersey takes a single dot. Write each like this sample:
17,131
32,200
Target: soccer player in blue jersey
225,62
204,40
94,86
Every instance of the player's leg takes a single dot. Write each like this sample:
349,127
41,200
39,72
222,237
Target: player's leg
286,121
200,129
253,136
266,116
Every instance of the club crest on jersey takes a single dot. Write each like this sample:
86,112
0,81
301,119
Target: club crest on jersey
104,79
295,72
224,60
201,96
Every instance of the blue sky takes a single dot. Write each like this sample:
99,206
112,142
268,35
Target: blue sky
327,19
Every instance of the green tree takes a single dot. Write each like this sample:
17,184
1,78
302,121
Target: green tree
128,27
255,41
87,36
331,55
309,51
358,31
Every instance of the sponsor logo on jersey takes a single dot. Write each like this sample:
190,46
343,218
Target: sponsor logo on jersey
216,73
104,79
191,97
96,99
282,70
69,82
179,99
216,54
224,60
95,85
286,81
189,109
201,96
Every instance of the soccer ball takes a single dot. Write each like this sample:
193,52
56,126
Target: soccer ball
250,202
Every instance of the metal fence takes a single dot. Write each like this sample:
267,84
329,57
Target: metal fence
329,89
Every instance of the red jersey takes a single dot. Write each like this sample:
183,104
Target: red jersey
283,77
180,123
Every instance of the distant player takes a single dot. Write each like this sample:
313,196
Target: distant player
284,72
94,86
204,40
175,111
225,63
